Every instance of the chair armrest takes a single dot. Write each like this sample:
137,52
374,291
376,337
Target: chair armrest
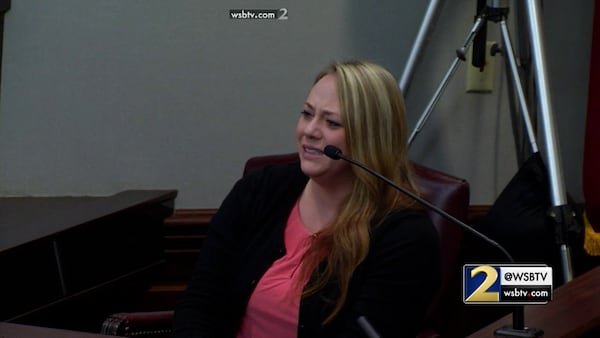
152,324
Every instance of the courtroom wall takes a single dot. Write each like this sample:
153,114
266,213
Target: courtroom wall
103,96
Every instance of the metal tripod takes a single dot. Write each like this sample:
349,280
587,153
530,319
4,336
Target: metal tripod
497,11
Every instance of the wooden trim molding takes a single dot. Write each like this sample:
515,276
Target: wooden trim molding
185,231
202,217
477,212
190,217
183,234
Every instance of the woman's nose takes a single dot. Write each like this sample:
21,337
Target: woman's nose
312,128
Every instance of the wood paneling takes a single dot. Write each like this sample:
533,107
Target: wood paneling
183,233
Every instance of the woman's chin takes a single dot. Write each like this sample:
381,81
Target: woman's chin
311,169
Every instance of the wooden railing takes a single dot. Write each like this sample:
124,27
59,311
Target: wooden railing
183,234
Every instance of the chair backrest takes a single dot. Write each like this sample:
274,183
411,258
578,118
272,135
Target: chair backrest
451,194
447,192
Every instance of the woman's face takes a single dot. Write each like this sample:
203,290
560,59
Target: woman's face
320,124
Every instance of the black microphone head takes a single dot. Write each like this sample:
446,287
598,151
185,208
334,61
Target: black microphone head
332,152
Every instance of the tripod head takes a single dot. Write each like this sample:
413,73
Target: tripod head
496,10
487,10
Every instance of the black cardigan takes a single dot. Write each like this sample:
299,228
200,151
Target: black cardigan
391,288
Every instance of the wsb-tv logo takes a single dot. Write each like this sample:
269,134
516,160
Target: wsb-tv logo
507,284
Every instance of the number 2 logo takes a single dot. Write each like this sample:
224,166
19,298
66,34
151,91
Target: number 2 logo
481,294
283,14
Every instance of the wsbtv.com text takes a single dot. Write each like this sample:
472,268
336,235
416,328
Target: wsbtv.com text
258,14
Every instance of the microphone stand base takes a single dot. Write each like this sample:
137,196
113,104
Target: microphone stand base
509,331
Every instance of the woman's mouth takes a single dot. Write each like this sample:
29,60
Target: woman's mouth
312,151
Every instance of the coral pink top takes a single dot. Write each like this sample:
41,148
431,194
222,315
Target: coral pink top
274,305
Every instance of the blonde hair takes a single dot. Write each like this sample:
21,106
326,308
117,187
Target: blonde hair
373,116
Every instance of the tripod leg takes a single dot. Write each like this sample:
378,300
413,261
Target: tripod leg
558,193
436,96
460,56
509,57
431,15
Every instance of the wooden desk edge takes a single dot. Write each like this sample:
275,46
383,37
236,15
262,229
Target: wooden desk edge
588,280
11,330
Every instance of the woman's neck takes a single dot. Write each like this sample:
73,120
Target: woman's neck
320,204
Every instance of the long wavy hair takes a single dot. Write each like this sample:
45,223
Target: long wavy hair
373,115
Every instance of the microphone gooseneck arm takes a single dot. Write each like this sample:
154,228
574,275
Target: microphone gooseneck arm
518,328
336,154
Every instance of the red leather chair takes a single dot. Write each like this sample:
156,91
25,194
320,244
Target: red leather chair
442,190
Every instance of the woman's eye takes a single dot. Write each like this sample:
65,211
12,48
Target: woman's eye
334,124
306,114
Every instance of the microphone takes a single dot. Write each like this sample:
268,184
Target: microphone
518,328
367,327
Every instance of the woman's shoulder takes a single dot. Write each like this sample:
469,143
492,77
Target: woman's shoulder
407,223
276,172
273,178
410,216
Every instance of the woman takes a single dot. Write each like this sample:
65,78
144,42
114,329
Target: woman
305,249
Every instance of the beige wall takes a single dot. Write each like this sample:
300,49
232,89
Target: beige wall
102,96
